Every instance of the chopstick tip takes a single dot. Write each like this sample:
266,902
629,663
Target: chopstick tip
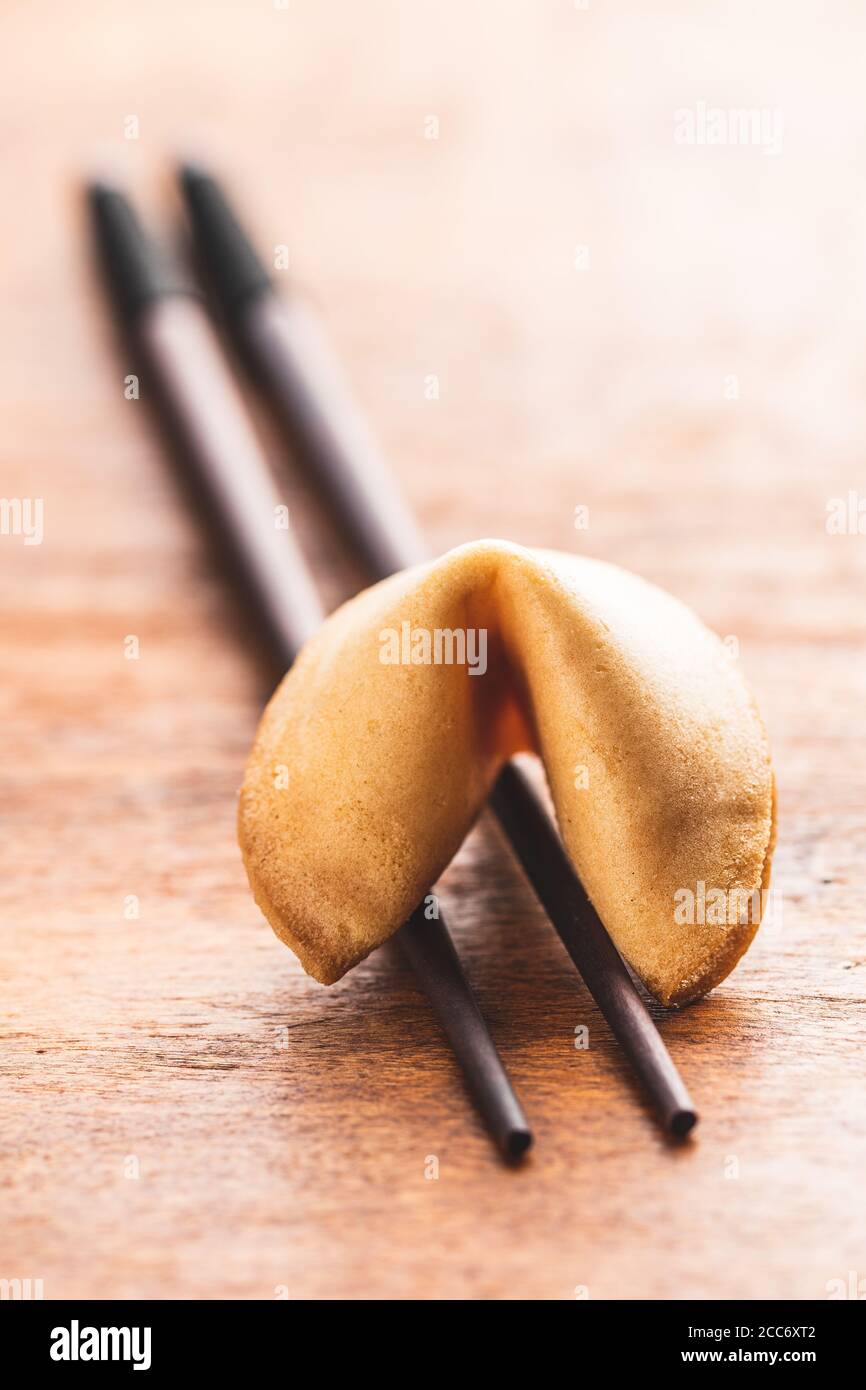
682,1122
516,1144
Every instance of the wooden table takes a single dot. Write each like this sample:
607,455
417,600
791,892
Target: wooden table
668,334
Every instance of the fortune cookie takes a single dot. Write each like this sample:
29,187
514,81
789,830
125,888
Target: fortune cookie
378,749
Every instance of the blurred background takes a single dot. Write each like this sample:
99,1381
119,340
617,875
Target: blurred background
537,289
558,278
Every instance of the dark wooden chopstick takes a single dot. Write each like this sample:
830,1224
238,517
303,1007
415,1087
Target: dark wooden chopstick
547,866
281,343
183,368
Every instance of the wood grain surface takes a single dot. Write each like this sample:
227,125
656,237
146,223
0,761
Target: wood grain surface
671,335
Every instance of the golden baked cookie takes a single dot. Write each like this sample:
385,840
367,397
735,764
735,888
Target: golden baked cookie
379,747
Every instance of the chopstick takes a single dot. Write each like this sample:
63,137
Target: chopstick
184,370
281,343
